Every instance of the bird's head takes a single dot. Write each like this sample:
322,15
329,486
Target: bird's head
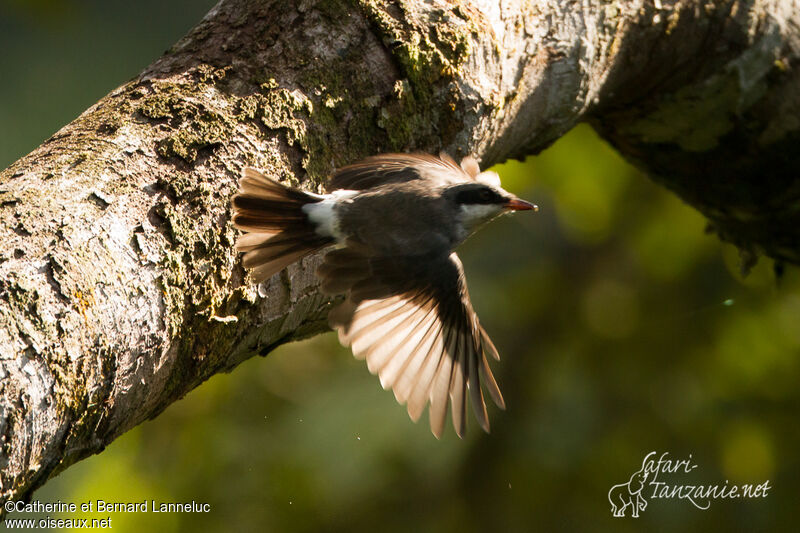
476,203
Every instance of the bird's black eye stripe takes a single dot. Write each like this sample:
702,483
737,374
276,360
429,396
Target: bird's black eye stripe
479,196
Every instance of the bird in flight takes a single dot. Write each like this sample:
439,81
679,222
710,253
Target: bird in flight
391,223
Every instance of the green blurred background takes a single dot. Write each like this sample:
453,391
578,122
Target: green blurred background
623,328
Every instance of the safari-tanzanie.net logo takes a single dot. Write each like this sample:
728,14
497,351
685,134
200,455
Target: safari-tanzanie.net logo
661,478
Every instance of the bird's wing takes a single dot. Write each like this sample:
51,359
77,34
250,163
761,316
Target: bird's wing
411,319
399,168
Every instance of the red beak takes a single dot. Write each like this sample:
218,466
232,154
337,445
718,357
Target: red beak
515,204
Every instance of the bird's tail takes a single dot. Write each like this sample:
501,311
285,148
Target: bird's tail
278,231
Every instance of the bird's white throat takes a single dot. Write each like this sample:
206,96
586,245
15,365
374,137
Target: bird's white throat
471,216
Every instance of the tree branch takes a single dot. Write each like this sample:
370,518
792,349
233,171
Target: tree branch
119,287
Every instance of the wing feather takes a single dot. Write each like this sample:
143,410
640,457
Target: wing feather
408,375
376,331
403,358
398,168
488,345
411,319
488,379
440,388
476,394
388,358
364,317
457,385
421,386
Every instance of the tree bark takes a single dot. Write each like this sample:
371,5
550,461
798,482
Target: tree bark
119,287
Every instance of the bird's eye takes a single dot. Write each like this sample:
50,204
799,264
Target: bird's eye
477,196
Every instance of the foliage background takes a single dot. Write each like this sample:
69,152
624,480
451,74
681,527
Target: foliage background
623,327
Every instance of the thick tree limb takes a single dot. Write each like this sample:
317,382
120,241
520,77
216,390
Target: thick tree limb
119,287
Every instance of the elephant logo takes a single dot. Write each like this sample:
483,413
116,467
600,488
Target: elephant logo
629,494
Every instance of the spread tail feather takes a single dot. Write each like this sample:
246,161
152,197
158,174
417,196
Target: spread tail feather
278,231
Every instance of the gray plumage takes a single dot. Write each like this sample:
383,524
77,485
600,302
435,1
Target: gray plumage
395,220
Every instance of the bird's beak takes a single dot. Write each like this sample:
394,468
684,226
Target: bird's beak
515,204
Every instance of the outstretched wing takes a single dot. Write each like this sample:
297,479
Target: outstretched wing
400,168
411,319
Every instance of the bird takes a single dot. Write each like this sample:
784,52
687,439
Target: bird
389,225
